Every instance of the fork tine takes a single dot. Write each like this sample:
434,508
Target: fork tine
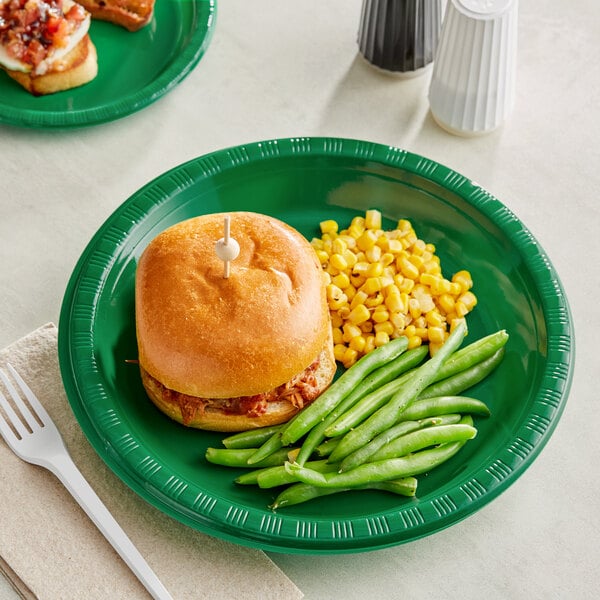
31,397
11,419
30,417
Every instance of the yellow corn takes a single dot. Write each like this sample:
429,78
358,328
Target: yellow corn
383,284
359,314
373,219
329,226
341,280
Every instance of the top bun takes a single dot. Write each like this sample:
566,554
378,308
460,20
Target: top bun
203,335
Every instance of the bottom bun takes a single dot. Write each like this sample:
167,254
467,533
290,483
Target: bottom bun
216,414
78,67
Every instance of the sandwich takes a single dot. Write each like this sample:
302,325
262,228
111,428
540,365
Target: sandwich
131,14
238,352
45,46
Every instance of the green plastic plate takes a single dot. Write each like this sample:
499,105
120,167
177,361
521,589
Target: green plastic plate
303,181
134,69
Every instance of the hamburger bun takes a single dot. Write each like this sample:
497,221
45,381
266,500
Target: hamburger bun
229,354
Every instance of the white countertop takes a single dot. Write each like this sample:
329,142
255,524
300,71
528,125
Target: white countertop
283,69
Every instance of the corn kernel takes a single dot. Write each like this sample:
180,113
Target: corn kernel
343,311
374,301
408,270
361,268
358,343
394,246
336,304
350,330
463,278
337,335
366,327
446,302
436,335
469,300
357,280
339,246
369,344
350,258
329,226
367,240
359,314
380,314
373,219
341,280
385,327
372,285
414,308
387,259
336,320
359,298
460,309
404,225
338,352
358,222
381,338
398,320
374,270
434,319
338,262
414,342
454,323
349,358
322,256
373,254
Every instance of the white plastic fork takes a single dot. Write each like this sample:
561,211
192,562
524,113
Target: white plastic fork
35,439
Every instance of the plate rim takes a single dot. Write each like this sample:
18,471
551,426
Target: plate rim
500,474
121,107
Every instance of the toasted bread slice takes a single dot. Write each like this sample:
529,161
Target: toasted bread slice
76,68
131,14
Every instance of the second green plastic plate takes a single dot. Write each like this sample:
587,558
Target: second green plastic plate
134,69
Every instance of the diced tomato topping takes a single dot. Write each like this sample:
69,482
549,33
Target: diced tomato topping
29,29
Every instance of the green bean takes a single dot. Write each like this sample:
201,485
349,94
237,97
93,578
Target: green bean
302,492
458,383
251,438
459,372
271,445
325,448
418,440
365,407
389,414
306,419
441,405
382,470
380,379
238,457
380,441
277,473
474,353
277,476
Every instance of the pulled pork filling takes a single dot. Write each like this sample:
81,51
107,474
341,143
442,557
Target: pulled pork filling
301,390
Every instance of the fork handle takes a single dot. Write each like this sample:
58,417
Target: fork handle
70,476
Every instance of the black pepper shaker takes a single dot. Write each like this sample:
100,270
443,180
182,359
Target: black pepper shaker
400,36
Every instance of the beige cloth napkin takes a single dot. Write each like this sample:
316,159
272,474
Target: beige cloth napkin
49,549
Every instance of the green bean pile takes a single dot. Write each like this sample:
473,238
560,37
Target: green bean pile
393,415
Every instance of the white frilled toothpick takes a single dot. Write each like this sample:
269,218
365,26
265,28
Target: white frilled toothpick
227,248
